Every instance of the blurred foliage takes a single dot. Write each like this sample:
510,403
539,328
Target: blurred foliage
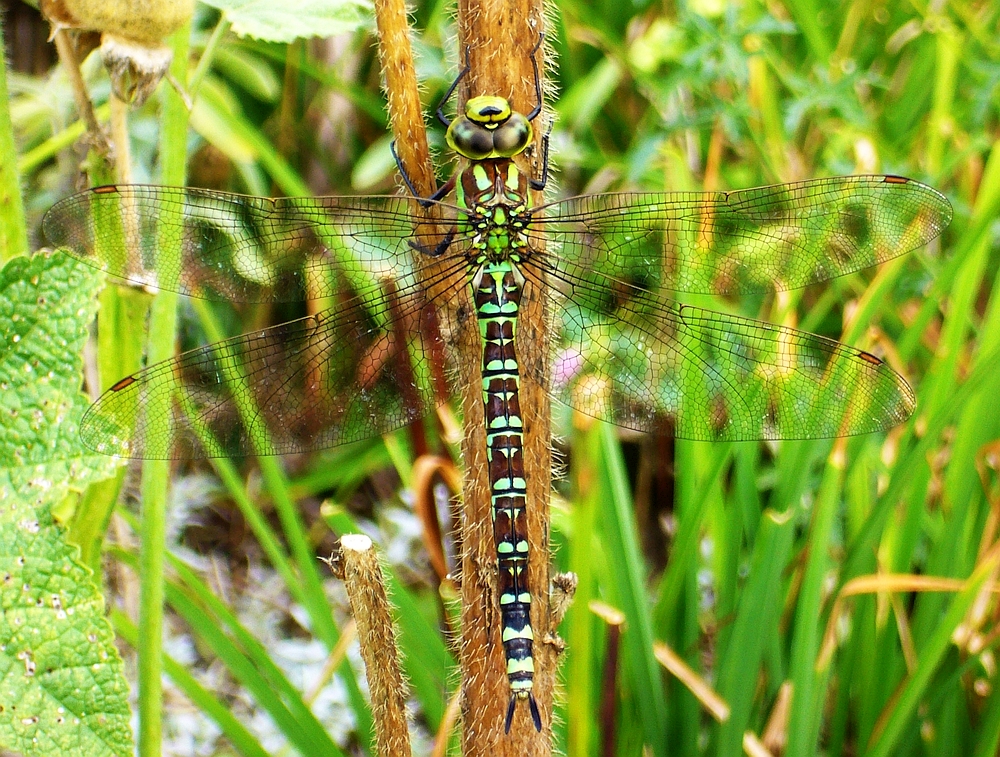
740,557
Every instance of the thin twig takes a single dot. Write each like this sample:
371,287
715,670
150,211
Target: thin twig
67,54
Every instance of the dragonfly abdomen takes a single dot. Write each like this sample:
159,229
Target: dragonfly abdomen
497,290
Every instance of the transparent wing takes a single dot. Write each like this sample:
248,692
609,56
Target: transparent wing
626,353
652,364
354,371
218,245
629,354
753,240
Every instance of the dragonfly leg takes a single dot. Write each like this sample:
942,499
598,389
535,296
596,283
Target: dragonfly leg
439,249
538,80
451,90
424,201
539,184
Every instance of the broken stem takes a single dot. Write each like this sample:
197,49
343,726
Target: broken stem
370,605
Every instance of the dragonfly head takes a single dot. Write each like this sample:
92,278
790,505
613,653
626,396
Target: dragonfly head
489,129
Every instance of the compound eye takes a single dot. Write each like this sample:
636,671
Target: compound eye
513,136
469,139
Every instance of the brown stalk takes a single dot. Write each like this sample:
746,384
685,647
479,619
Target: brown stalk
406,114
499,36
370,606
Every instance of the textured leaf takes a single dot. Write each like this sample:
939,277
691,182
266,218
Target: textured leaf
62,688
277,22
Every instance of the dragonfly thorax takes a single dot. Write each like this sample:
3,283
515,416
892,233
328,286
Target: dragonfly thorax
489,129
495,196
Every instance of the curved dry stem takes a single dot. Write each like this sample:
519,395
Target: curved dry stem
427,471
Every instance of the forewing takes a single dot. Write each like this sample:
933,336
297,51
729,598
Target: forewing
753,240
354,371
218,245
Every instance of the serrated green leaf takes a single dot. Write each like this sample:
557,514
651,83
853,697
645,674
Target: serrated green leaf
62,687
291,21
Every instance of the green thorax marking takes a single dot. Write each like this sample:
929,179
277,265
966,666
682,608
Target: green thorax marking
495,194
491,187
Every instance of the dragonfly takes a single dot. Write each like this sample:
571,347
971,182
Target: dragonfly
607,267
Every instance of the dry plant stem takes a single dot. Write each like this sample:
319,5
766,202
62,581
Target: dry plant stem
716,706
333,660
500,36
427,470
753,747
775,736
370,606
443,737
64,48
405,112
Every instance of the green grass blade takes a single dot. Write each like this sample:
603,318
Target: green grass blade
810,17
235,732
988,738
916,686
249,661
859,549
806,683
156,474
621,544
237,137
757,616
203,609
581,629
304,560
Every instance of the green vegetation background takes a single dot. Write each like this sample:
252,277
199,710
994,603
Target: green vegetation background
738,558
